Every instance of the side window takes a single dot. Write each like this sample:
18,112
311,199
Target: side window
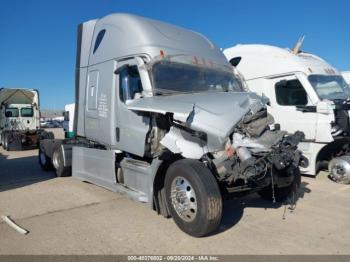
130,86
290,93
99,38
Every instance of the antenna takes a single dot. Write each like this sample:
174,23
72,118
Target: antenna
298,45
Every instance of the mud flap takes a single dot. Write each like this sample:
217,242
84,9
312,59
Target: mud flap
14,142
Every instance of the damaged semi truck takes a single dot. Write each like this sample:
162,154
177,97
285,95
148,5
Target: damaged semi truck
20,119
305,93
160,117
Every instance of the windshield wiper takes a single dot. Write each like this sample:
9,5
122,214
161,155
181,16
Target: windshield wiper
162,91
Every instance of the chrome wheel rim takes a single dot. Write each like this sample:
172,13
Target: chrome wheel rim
55,160
338,172
183,199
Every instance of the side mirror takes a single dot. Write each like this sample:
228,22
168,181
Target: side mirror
325,107
65,116
306,109
120,69
265,99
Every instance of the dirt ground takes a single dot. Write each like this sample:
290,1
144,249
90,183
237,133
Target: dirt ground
66,216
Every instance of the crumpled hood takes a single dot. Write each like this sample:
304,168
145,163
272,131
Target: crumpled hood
215,113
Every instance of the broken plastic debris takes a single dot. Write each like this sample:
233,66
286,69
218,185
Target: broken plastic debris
12,224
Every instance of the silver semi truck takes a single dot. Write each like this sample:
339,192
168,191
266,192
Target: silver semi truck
20,119
160,117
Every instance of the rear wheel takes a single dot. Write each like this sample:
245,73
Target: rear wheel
5,144
58,163
282,193
46,135
44,161
193,197
2,139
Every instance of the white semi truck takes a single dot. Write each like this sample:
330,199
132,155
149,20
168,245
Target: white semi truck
305,93
346,75
20,119
161,118
68,122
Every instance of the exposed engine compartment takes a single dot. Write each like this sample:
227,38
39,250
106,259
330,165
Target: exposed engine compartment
341,125
255,153
256,149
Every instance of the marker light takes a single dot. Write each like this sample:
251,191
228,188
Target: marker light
162,55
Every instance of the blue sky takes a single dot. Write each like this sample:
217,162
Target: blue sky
38,38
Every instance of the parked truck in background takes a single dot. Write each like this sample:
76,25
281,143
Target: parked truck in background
305,93
20,119
68,123
346,75
161,118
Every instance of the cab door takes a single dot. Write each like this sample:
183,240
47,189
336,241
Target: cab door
131,127
291,106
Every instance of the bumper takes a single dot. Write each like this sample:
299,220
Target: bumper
279,166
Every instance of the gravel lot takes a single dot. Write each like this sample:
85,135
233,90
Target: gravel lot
66,216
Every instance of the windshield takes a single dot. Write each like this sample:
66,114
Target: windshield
173,77
11,112
330,86
27,112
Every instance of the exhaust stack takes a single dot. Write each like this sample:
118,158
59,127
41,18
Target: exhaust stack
298,45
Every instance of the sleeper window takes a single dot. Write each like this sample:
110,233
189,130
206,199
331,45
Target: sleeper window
99,38
130,86
290,93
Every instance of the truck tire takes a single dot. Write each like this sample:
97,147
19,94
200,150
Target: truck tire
47,135
193,197
5,144
44,161
282,193
13,142
58,163
2,139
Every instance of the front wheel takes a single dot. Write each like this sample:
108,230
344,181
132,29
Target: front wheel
193,197
282,193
